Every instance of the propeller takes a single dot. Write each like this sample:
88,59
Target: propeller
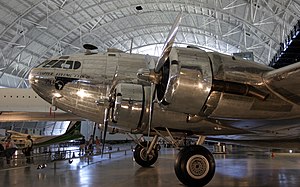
154,75
107,109
106,117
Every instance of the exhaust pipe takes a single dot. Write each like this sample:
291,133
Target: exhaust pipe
239,89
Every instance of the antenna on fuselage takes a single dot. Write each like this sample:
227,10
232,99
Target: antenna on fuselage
131,45
89,48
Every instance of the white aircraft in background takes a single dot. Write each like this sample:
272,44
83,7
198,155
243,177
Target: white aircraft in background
185,91
25,105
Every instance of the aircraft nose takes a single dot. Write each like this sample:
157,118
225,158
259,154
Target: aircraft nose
32,76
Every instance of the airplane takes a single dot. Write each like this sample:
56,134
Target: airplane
183,92
72,133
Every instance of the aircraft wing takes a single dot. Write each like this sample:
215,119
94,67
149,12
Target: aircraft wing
37,116
25,105
285,82
262,133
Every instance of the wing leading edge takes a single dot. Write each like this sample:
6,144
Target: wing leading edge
284,82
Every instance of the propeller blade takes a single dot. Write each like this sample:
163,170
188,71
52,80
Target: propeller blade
106,115
151,100
163,57
107,110
150,63
169,43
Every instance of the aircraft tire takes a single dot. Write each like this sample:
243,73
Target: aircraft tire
195,166
140,155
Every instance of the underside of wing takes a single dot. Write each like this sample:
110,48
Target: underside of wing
276,143
37,116
263,133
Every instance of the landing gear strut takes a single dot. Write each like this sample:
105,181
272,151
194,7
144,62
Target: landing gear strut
146,154
194,166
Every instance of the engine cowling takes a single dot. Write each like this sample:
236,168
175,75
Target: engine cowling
186,81
131,107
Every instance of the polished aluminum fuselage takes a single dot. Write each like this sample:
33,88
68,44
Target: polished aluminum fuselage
102,78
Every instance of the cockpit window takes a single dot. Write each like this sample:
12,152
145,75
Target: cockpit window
67,65
77,65
58,64
49,64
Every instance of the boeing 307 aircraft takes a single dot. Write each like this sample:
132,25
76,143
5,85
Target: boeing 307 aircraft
185,91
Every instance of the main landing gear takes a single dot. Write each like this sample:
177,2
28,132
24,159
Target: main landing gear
194,165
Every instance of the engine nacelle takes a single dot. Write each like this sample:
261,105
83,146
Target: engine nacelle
186,81
131,108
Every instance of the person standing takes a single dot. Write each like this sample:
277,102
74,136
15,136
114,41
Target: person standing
97,142
10,149
28,148
82,146
90,145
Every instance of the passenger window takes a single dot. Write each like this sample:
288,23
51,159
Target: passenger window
77,65
58,64
67,65
49,64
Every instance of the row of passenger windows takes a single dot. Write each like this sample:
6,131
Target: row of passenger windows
18,96
65,64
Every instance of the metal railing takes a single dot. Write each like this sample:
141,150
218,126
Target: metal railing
57,154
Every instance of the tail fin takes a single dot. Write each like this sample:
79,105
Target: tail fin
72,133
73,128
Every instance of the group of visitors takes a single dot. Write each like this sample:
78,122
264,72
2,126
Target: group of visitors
8,149
87,147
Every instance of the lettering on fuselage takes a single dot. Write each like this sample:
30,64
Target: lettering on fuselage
68,75
45,73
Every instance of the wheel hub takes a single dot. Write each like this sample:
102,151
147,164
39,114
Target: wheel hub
144,156
197,166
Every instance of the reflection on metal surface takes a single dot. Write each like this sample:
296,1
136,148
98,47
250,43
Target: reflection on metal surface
185,89
188,83
83,93
57,95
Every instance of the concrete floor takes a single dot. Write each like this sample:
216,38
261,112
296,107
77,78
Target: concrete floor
119,171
